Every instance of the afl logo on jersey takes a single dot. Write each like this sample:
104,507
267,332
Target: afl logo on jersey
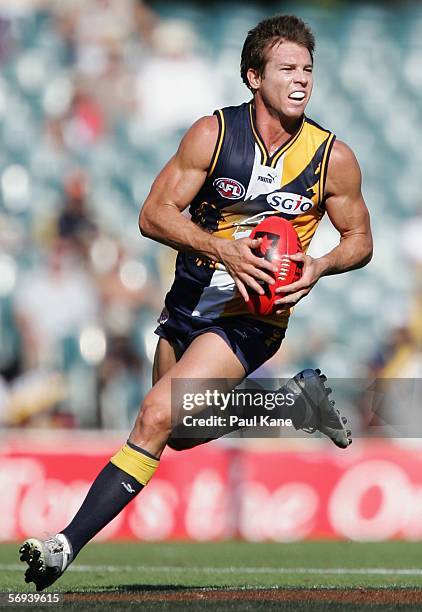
229,188
290,203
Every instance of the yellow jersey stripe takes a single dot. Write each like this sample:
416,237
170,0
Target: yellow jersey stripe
286,146
324,165
296,161
257,138
220,139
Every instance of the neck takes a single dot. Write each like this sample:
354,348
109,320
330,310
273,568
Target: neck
275,129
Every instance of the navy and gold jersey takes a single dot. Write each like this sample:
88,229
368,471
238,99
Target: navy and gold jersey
243,186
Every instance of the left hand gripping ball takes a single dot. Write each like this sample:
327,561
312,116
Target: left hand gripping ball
279,239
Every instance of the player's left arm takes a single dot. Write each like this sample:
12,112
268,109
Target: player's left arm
348,213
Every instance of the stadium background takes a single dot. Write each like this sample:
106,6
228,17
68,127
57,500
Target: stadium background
93,100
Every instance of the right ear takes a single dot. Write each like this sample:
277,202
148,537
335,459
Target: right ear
254,78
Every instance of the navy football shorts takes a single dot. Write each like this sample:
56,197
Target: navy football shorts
253,341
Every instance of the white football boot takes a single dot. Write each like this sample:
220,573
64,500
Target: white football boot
46,559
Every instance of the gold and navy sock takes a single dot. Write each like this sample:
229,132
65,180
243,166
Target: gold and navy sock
128,471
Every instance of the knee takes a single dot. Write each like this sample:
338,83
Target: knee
154,417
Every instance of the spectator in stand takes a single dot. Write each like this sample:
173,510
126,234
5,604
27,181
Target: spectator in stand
53,301
175,72
74,224
120,383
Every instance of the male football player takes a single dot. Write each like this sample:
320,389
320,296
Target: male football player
232,169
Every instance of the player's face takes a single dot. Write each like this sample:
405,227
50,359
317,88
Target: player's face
286,84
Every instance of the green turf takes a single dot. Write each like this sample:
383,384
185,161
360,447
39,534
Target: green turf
137,568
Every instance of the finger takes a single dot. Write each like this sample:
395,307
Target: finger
257,273
296,286
297,256
283,308
292,298
252,283
261,262
253,243
242,289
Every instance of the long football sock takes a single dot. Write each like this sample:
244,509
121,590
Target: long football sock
128,471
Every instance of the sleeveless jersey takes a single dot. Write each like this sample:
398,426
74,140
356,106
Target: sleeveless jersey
243,186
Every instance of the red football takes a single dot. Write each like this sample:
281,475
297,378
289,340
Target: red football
279,239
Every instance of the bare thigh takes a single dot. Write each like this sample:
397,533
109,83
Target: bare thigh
208,357
164,359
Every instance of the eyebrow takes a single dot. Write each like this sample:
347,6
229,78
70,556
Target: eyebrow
292,65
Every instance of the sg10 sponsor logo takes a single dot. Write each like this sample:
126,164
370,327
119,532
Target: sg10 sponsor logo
290,203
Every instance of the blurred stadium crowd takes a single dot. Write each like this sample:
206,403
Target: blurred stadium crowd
94,97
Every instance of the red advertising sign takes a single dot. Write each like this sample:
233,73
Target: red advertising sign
373,491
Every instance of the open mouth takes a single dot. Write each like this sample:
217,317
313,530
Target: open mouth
297,95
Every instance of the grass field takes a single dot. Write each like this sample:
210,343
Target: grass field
233,576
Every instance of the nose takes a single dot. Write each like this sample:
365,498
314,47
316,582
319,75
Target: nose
301,77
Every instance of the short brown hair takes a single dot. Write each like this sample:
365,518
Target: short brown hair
268,33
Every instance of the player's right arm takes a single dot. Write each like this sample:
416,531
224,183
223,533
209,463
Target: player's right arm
173,190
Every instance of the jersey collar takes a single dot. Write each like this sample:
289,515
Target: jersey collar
266,158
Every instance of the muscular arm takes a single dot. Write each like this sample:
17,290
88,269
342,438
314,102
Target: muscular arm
348,213
175,187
